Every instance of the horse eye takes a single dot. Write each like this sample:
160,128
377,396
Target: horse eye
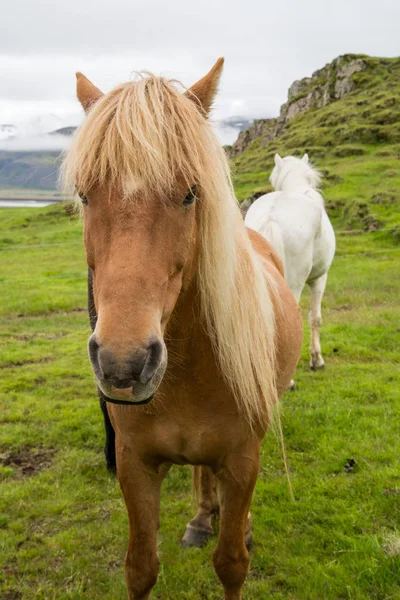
191,197
82,196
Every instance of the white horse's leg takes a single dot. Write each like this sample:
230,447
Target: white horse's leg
297,294
317,289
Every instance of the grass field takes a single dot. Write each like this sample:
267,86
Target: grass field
63,525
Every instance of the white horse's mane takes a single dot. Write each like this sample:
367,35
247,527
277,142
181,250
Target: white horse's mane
294,174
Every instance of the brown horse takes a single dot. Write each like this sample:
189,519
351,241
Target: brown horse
197,333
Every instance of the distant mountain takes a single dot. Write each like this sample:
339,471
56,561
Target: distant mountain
23,166
35,133
32,170
40,125
67,131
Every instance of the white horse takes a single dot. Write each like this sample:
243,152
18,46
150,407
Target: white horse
294,220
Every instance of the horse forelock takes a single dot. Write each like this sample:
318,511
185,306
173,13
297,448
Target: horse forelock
141,134
141,137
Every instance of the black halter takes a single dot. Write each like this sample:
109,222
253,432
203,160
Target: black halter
122,402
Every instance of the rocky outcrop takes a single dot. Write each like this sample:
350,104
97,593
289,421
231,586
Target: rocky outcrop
326,85
245,205
265,128
344,82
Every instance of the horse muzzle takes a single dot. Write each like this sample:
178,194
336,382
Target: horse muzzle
130,380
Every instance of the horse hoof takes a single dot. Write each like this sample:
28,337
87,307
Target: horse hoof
317,366
195,538
292,386
317,362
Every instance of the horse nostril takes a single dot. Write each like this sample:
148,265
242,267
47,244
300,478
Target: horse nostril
110,367
93,345
93,351
153,359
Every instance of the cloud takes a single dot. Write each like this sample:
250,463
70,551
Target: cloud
267,46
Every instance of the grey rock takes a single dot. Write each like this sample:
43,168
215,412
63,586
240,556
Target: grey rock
245,205
344,84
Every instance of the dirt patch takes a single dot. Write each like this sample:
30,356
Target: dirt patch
22,363
12,595
343,308
73,377
39,336
28,462
392,492
114,565
391,545
53,313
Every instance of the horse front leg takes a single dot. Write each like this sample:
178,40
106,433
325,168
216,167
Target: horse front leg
317,289
200,529
141,486
237,479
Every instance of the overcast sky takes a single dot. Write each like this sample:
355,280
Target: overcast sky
267,45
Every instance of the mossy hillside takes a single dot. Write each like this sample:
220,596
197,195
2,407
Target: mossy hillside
355,141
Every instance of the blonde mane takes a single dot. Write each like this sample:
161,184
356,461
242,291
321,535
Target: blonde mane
139,137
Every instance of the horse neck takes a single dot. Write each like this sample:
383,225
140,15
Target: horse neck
300,185
190,352
186,327
295,183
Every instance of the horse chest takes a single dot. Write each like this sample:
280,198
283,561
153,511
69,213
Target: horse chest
190,443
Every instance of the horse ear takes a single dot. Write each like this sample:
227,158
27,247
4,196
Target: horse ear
87,93
203,92
278,160
305,159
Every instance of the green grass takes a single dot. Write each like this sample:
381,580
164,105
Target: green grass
63,529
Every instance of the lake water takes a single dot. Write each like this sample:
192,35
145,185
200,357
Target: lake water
25,203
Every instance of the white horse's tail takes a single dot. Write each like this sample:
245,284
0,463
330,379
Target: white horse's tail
273,234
